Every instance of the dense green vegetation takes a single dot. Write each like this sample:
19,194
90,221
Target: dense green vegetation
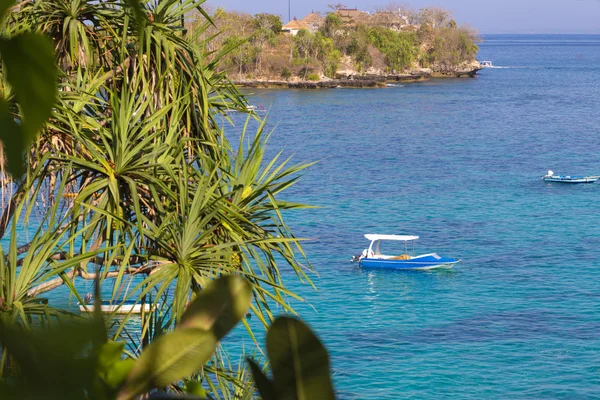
132,184
399,48
430,38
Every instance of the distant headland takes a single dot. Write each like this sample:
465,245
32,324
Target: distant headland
343,47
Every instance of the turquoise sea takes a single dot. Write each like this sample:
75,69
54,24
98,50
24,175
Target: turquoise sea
459,163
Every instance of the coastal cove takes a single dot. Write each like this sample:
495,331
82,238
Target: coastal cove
458,162
186,215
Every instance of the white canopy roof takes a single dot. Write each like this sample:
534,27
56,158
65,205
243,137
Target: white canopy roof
373,237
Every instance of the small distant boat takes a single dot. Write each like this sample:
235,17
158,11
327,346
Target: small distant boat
372,257
486,64
118,308
550,177
249,108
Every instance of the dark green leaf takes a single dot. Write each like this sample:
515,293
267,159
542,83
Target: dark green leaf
219,306
109,353
299,361
31,72
8,392
262,382
111,367
139,14
170,358
4,6
55,359
119,371
195,388
13,139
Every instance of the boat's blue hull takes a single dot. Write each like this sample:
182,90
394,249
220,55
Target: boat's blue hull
571,179
429,262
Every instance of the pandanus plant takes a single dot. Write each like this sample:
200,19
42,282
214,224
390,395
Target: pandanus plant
133,175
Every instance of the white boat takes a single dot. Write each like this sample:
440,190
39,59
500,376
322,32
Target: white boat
551,177
486,64
249,108
372,257
118,308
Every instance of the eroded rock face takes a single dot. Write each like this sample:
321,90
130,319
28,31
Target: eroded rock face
328,84
467,68
376,78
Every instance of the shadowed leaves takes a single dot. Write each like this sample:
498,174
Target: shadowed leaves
181,353
299,363
31,72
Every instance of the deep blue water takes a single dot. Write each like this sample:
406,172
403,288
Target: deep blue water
459,163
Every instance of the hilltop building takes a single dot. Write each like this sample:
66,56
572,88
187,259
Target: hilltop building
352,16
294,26
394,21
314,21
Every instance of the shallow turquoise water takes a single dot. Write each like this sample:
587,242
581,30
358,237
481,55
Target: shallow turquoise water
457,162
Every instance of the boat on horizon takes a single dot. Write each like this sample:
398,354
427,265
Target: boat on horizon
551,177
372,257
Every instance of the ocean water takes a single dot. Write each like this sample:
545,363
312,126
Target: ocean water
459,163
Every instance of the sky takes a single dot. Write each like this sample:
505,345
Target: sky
487,16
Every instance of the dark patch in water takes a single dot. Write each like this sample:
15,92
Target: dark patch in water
496,327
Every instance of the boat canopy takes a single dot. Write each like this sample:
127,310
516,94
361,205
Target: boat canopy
373,237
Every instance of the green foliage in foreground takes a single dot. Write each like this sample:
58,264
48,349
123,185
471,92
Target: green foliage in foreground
299,362
29,80
76,361
133,184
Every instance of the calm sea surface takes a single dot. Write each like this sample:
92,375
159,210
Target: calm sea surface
457,162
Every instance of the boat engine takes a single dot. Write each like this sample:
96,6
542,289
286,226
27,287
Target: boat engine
360,256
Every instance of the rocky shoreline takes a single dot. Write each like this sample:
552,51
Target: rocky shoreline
356,81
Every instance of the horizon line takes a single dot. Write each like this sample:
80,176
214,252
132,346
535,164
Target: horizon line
540,33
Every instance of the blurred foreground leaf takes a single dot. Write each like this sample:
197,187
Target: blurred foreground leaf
30,69
54,363
181,353
4,6
169,359
13,139
299,363
262,382
219,307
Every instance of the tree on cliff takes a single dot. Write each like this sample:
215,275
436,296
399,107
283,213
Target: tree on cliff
434,16
333,26
399,48
401,10
451,47
266,29
336,6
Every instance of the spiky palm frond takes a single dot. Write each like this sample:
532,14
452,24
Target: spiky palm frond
146,180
